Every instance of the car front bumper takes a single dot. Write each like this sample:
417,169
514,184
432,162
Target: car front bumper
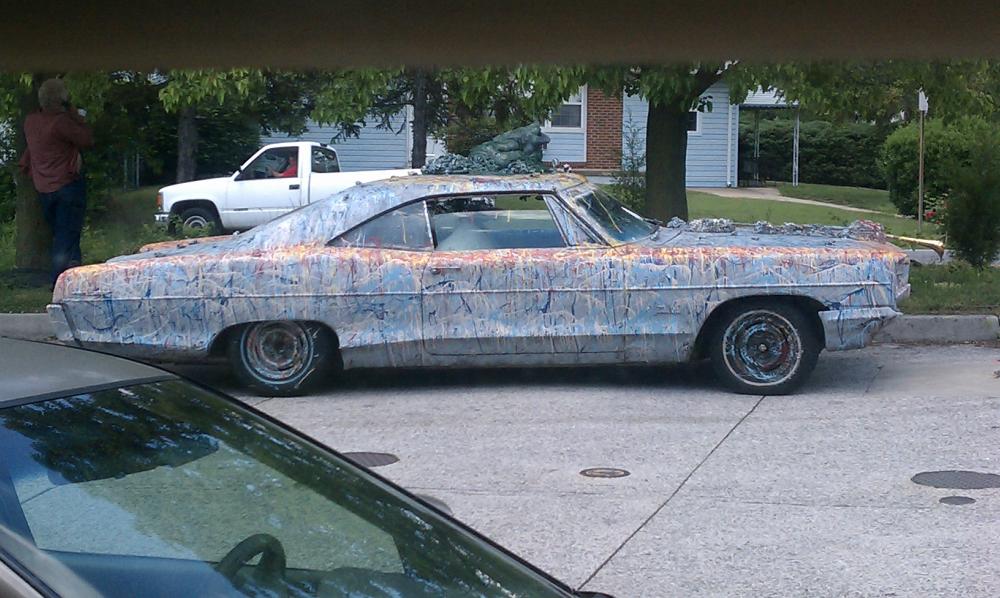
60,323
162,218
853,328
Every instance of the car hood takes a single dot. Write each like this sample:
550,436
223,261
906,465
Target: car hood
199,186
717,233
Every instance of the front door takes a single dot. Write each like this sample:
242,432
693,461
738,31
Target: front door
502,280
268,187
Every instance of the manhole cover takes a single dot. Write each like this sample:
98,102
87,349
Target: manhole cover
957,500
372,459
604,472
957,480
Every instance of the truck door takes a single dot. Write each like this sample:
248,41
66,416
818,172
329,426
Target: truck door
324,163
268,186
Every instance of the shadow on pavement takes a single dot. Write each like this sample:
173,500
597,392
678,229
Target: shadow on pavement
698,375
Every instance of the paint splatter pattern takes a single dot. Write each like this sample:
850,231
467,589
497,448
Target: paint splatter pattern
593,301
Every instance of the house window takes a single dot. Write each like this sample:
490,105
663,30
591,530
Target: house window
694,122
571,114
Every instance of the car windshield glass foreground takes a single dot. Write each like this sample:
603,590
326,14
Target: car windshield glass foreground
165,489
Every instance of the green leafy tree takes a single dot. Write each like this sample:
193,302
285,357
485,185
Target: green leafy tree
508,96
672,92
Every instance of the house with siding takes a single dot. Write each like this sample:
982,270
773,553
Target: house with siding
588,132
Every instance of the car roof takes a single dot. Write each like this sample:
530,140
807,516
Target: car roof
30,369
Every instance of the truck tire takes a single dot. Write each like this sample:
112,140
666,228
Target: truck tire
764,347
199,218
283,358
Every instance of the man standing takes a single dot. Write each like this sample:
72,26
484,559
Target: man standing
55,135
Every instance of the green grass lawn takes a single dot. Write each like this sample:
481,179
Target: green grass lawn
706,205
855,197
953,289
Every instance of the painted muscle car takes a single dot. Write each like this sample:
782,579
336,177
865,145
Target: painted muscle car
445,271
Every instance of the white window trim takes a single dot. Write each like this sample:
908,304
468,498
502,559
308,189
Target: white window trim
697,129
547,125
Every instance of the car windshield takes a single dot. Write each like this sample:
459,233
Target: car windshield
164,489
607,213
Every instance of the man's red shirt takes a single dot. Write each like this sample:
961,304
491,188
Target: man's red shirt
52,158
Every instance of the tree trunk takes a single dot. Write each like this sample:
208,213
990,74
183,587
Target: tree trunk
187,144
33,237
666,153
418,155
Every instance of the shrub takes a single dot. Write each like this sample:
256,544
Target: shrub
945,148
972,217
629,183
831,154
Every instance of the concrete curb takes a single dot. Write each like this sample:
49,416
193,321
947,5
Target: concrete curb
935,329
30,327
940,329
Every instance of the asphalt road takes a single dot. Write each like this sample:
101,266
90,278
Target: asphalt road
807,495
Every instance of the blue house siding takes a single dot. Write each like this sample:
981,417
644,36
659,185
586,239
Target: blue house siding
706,151
566,146
374,149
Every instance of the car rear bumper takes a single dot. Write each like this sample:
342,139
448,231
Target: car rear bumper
60,323
854,328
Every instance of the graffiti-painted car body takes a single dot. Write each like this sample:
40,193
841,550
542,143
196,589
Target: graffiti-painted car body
579,281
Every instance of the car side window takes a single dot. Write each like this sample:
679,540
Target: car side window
502,221
324,160
402,228
278,162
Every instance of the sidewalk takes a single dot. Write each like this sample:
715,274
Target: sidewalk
772,194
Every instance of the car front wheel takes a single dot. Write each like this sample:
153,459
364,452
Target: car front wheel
282,358
764,347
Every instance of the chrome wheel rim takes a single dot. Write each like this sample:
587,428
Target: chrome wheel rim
277,351
762,348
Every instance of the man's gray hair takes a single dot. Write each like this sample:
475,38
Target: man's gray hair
52,94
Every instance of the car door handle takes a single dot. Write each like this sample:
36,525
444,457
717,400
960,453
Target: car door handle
293,187
443,269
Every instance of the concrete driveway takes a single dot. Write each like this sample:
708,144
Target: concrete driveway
808,495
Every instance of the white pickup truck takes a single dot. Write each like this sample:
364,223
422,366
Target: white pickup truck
278,178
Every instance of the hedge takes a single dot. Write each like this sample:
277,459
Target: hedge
945,148
832,154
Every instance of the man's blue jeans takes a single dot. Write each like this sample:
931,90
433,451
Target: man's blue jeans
64,209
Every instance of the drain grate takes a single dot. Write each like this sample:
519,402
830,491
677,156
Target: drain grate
372,459
957,500
957,480
605,472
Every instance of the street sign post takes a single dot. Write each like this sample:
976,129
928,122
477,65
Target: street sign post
922,108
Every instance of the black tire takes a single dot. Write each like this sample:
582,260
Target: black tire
283,358
764,347
200,218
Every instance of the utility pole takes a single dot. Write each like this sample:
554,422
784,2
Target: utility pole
922,108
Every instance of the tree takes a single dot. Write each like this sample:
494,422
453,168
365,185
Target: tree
672,92
513,96
885,92
32,236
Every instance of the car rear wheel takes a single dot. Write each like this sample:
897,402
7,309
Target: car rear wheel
200,218
764,347
283,358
